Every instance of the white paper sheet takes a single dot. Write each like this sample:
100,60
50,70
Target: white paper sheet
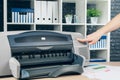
102,72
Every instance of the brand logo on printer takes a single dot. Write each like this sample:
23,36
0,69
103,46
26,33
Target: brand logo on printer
43,38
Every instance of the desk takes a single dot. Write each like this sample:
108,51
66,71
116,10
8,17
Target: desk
73,77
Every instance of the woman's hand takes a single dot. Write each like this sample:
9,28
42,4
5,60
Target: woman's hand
91,38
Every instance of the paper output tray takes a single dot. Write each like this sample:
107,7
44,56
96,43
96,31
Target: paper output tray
51,71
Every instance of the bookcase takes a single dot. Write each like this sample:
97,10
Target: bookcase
50,15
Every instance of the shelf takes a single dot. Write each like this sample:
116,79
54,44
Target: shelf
98,49
70,1
48,24
99,24
10,23
73,24
96,1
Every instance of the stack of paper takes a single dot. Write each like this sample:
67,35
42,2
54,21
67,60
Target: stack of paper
102,72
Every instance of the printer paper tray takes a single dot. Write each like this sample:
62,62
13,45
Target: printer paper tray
51,71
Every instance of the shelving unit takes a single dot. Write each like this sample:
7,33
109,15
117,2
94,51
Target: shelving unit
75,7
104,7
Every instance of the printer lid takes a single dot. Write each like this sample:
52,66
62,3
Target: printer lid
39,38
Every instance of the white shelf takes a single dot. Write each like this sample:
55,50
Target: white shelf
73,24
10,23
97,48
99,24
48,23
96,1
70,1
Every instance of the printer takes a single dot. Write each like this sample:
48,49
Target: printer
39,54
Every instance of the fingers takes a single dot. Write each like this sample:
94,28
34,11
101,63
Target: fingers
83,40
91,38
86,40
92,42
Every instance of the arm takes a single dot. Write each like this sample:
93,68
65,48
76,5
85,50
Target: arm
111,26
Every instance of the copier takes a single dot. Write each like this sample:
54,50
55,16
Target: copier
39,54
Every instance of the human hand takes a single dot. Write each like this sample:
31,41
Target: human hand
91,38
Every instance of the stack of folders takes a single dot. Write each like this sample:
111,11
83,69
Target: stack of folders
22,15
46,11
97,60
102,43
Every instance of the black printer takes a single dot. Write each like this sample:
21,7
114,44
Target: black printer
39,54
